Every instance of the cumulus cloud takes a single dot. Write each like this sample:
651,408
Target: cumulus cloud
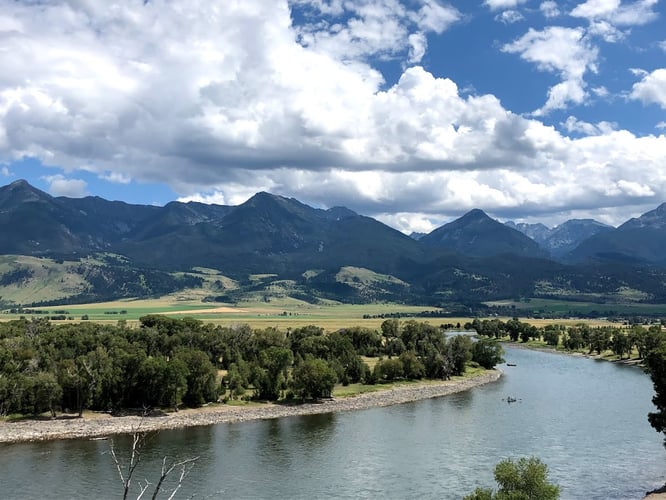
549,9
503,4
509,17
372,28
633,14
565,51
573,124
61,186
116,177
220,101
651,89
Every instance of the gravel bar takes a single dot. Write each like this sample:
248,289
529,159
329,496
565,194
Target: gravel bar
103,425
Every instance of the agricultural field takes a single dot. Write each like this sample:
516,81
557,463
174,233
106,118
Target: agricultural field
563,308
282,313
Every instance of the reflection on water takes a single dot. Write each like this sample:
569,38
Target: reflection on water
585,419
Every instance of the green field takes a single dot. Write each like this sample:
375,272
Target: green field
563,307
282,313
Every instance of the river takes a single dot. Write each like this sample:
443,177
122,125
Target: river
586,419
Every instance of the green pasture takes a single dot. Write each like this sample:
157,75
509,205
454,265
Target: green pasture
564,307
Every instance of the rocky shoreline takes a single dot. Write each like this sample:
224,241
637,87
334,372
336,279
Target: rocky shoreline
103,425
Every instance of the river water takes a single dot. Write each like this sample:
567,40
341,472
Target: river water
586,419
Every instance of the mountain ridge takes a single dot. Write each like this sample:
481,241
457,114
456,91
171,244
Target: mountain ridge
472,258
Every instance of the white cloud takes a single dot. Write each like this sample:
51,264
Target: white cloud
564,51
661,125
374,28
573,124
606,31
549,9
651,89
434,16
116,177
503,4
410,222
662,45
635,14
214,198
418,45
509,17
72,188
596,8
4,171
221,102
601,91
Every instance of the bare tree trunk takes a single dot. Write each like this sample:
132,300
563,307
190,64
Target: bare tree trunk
126,473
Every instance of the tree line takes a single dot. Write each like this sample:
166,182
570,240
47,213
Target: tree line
167,363
581,337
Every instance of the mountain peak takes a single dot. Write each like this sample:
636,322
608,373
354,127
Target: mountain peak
21,191
477,234
654,219
22,183
475,214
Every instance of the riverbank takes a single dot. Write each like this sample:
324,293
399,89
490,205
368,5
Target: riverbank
104,425
552,350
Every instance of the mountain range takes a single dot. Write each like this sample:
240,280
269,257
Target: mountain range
472,259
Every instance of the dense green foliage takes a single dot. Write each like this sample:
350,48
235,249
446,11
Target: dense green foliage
656,364
168,362
526,479
580,337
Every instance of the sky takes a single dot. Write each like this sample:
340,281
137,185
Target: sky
410,111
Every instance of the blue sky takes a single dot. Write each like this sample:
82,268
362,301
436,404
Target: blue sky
411,111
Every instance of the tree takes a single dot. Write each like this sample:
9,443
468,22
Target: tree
269,375
388,369
459,352
201,378
488,353
656,365
390,328
412,366
126,470
621,344
551,334
526,479
313,378
237,378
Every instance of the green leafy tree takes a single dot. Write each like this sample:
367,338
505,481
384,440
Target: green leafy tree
412,366
551,334
237,378
269,376
656,365
488,353
525,479
388,370
390,328
201,377
621,344
313,379
459,352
